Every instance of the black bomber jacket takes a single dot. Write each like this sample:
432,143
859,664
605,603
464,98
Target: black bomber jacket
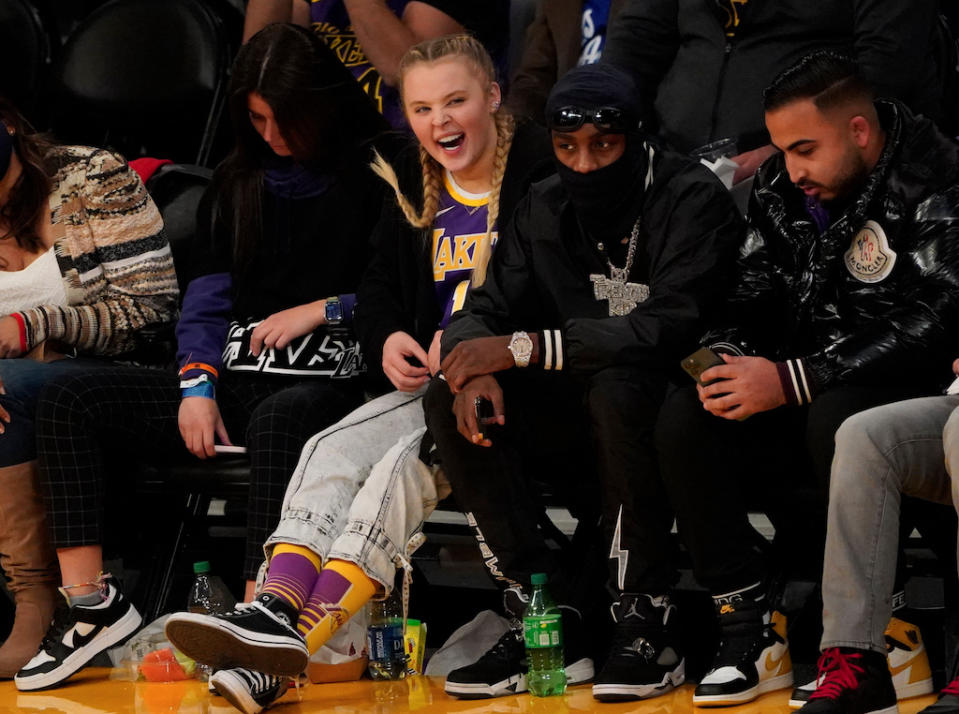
539,276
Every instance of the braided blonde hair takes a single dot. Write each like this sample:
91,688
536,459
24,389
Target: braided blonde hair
472,51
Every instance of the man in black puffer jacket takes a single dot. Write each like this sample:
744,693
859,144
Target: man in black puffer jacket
847,297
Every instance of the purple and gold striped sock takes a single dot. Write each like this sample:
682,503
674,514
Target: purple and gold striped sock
293,573
340,591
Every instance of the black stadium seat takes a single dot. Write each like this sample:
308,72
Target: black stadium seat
144,77
25,55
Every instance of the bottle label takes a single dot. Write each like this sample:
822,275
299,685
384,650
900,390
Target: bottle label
543,631
386,643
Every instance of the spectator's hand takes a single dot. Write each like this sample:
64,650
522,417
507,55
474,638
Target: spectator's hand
9,338
282,327
464,407
955,367
199,420
476,357
404,376
748,385
750,161
433,356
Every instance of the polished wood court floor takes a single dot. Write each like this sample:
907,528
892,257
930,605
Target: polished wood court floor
93,692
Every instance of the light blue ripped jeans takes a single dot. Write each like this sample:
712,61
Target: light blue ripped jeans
360,492
909,447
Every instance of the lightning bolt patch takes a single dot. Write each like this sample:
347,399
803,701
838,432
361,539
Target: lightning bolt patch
616,551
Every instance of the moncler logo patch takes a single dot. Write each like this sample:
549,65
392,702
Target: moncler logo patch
869,258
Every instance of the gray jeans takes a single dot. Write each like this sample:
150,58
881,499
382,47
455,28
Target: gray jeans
911,448
360,492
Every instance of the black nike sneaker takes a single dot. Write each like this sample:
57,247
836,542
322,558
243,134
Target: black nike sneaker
502,669
249,691
753,656
77,635
852,681
260,635
644,660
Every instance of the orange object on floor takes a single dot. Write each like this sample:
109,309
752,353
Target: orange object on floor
91,691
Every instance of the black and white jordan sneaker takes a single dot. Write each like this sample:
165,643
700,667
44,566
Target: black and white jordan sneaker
502,669
644,660
77,635
753,656
260,635
249,691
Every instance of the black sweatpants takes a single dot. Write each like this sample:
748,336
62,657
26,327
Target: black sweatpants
591,440
778,462
84,416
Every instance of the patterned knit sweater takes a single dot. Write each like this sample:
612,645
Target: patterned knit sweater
114,257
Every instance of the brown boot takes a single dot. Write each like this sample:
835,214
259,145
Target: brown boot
29,562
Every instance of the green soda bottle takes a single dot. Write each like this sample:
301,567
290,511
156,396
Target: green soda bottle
543,631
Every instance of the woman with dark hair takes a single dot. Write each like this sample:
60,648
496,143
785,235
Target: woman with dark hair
84,264
265,350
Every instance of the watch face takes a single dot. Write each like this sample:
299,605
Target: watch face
334,311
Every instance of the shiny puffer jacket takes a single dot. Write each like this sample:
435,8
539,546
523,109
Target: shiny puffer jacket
873,300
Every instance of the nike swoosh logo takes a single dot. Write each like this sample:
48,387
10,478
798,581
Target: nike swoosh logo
773,663
445,210
80,639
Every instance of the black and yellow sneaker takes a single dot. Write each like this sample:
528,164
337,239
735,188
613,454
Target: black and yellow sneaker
907,659
645,659
852,681
753,656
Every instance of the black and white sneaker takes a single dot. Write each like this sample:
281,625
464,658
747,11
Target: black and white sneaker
802,693
77,635
852,682
644,660
249,691
502,669
753,656
260,635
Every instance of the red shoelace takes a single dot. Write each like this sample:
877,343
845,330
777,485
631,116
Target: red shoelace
952,687
837,672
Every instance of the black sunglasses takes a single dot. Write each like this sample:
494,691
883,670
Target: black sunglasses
608,120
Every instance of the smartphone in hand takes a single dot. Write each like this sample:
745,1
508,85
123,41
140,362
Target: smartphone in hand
485,416
698,362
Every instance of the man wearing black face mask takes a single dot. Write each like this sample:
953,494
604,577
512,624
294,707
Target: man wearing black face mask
594,294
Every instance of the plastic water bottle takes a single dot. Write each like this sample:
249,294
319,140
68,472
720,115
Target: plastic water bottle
208,596
385,639
543,632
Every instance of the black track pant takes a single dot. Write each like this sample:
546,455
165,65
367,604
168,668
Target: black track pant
591,442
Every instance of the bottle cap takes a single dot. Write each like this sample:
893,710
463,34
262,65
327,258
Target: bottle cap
202,567
539,578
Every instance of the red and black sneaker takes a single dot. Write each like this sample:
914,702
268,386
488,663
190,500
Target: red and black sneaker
948,702
852,681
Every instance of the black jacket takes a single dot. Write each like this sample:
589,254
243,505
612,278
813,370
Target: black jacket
798,296
397,292
540,273
707,88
